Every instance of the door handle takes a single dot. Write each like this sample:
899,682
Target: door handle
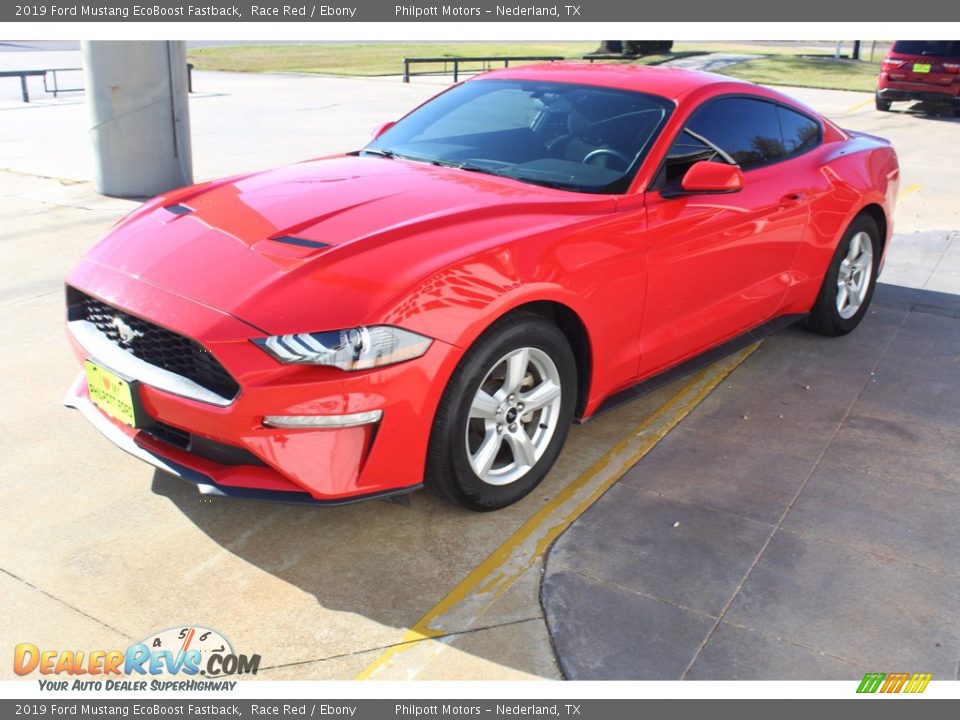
791,199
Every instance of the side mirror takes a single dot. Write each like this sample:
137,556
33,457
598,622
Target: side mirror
381,129
707,176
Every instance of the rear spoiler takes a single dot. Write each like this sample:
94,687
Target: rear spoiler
866,136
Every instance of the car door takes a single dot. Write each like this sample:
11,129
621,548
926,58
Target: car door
719,264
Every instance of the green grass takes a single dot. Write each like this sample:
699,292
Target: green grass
815,72
774,65
364,59
740,48
800,47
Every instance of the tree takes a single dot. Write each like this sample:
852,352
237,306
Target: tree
609,47
633,48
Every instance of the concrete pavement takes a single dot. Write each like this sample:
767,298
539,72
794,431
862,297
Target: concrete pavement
711,62
800,524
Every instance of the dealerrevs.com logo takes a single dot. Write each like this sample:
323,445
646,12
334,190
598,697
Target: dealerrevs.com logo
187,652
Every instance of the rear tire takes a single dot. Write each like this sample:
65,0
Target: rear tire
882,105
504,415
850,280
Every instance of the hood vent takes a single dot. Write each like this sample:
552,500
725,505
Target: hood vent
178,209
300,242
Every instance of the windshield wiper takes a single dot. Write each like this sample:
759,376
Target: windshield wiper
465,165
390,154
507,173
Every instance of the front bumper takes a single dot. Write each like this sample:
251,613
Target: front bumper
312,465
248,482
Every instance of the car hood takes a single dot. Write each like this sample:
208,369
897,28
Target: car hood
343,236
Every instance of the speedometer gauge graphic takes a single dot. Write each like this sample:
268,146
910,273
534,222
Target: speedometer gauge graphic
182,639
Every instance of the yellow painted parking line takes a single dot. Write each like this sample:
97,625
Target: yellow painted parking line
463,606
909,190
858,106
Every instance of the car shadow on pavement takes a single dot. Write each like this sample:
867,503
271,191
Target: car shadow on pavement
385,562
334,552
931,112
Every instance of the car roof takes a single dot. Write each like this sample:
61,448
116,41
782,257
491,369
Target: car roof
666,82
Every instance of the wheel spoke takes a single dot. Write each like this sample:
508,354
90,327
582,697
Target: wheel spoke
524,453
484,406
516,370
843,295
482,460
860,280
541,396
856,247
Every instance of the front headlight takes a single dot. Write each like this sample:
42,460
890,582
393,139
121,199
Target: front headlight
354,349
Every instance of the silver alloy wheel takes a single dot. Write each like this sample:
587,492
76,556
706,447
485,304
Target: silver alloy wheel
853,280
513,416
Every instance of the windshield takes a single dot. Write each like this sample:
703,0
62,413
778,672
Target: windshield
573,137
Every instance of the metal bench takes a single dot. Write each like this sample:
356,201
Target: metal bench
606,56
23,75
407,62
51,83
57,88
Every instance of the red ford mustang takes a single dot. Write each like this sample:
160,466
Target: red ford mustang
530,247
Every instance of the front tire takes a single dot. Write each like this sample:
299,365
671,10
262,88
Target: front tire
850,280
504,415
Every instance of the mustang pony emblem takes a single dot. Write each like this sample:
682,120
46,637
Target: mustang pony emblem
127,334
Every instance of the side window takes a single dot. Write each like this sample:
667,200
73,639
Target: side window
752,132
747,130
800,133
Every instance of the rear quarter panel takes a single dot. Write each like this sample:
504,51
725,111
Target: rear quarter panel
855,174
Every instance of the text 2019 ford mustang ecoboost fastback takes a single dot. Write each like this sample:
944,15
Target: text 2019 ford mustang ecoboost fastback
523,250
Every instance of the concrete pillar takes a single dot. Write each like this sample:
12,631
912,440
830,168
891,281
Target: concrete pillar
139,116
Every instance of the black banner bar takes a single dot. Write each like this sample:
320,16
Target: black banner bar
644,11
543,709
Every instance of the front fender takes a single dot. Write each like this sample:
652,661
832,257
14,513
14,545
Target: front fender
603,283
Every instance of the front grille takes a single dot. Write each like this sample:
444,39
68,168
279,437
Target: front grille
154,345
